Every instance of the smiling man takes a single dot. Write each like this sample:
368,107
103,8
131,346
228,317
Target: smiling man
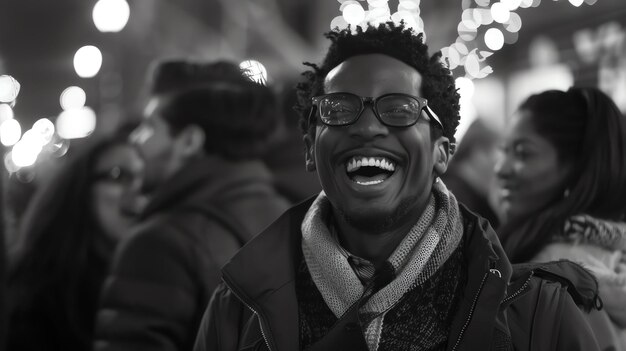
384,258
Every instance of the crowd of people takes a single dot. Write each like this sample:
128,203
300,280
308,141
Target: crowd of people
187,230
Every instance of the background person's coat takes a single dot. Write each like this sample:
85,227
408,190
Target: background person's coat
162,278
609,267
256,308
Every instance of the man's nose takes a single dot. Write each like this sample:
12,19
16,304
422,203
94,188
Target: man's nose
368,126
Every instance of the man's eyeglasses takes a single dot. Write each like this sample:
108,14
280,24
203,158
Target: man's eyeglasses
393,110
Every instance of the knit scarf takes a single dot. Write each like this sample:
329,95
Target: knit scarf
587,229
427,245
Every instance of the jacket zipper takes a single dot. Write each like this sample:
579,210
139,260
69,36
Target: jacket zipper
469,317
251,309
520,290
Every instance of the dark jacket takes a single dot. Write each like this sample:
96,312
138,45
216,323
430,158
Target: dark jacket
256,307
163,276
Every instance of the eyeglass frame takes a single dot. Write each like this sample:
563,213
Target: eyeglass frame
422,102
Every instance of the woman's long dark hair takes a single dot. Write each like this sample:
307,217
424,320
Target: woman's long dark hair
588,132
60,260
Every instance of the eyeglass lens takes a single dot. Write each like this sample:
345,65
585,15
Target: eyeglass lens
393,110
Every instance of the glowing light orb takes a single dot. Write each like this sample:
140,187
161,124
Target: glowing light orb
465,86
512,5
87,61
494,39
9,164
409,6
405,16
111,15
45,129
338,23
73,97
465,33
500,12
25,154
514,24
354,14
576,2
472,66
483,3
526,4
468,19
6,113
255,71
34,139
10,132
76,123
9,88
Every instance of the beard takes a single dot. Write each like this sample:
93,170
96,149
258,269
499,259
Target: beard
374,223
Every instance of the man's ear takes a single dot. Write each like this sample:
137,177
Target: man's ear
309,152
191,140
441,155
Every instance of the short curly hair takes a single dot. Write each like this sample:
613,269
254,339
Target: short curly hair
393,40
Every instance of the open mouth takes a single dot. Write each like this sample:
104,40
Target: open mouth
369,170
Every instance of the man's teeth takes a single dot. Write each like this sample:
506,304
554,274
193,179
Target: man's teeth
381,162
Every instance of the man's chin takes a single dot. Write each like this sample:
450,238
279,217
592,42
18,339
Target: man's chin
375,220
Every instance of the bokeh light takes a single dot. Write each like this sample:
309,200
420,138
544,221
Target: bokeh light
9,164
338,23
76,123
73,97
494,39
500,12
6,113
111,15
514,24
254,70
466,33
25,153
87,61
45,128
354,13
576,2
408,18
9,88
512,5
469,20
10,132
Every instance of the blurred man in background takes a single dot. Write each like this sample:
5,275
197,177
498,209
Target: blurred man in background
204,131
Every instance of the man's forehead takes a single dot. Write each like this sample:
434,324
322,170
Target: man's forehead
373,69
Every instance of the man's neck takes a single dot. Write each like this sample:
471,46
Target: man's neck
375,247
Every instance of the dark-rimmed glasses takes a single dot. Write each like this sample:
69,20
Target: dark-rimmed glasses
393,110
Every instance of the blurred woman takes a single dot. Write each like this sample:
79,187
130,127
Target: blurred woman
67,238
562,187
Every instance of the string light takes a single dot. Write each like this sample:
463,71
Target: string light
111,15
73,97
45,129
9,88
500,12
76,123
255,71
87,61
353,13
494,39
6,112
576,2
10,132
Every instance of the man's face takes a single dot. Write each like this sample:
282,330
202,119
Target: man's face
156,146
395,187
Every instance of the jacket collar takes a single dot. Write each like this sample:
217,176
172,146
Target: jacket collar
262,274
205,177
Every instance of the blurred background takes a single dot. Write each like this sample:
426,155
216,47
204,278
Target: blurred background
78,67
